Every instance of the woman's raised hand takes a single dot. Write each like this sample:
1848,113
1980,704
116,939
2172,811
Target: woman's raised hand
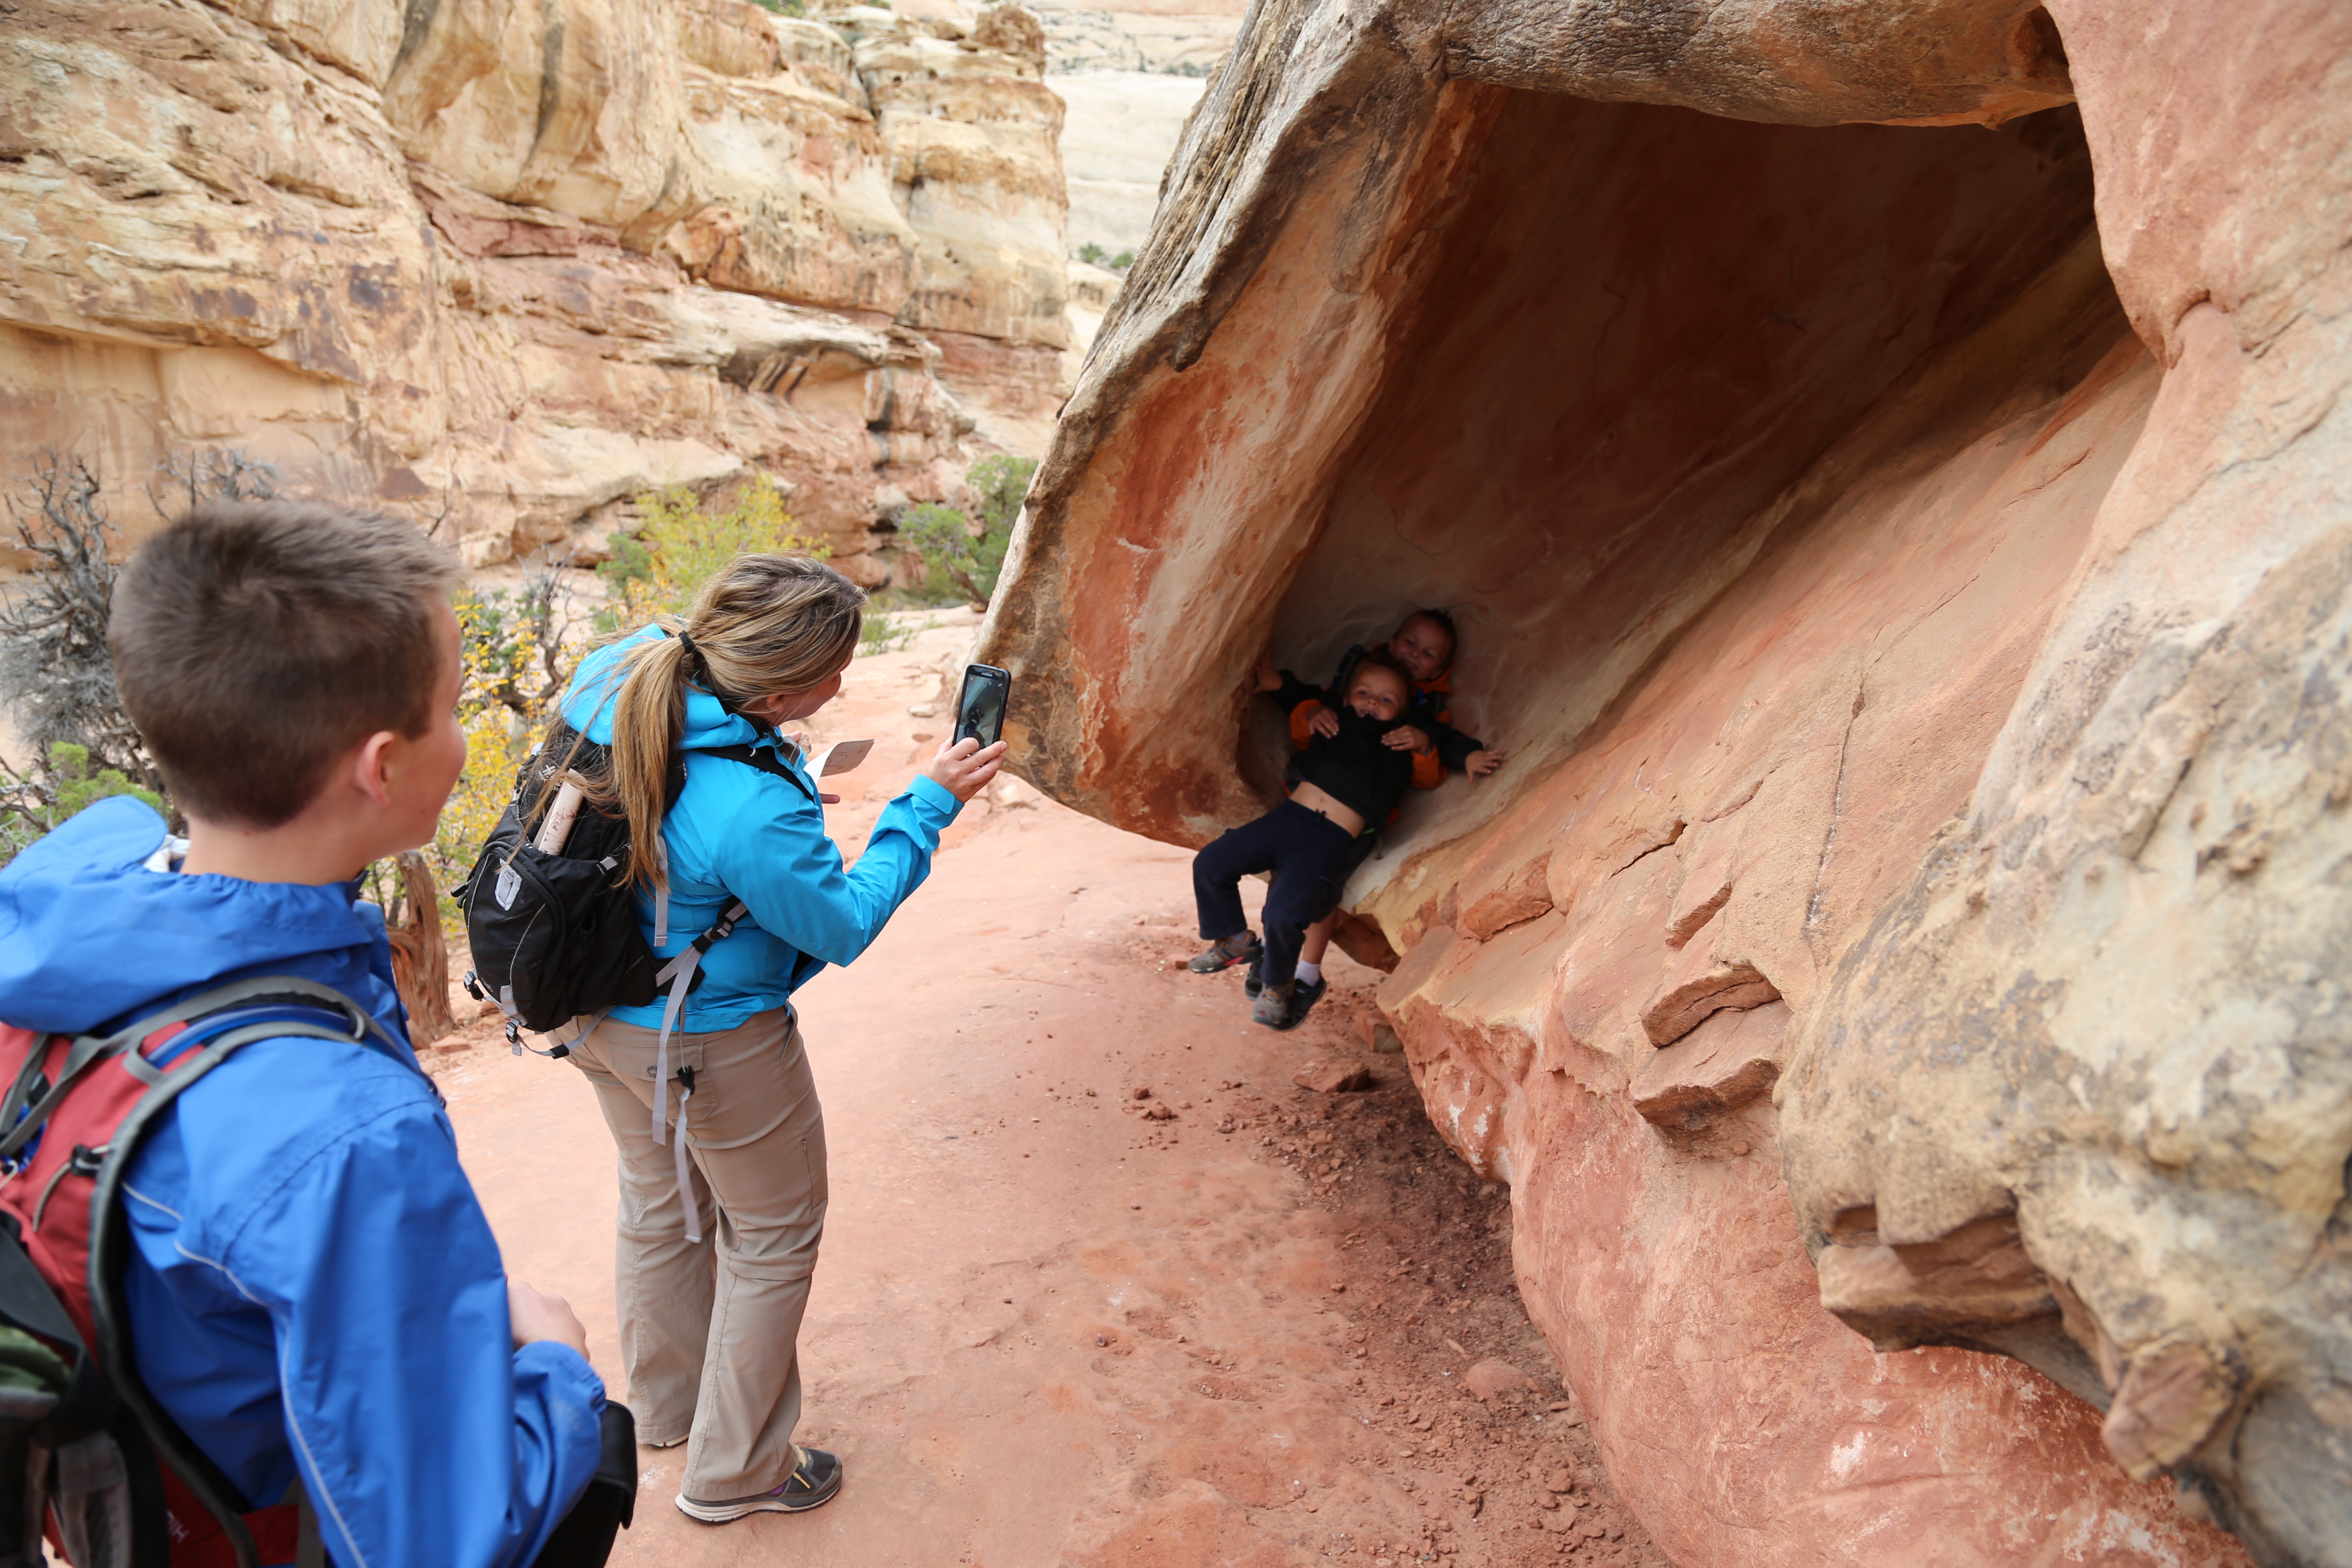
964,768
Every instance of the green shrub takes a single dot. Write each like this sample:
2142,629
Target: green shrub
958,558
628,569
70,785
76,787
684,540
885,632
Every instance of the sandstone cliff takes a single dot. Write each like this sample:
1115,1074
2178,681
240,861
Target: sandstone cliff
504,267
1896,973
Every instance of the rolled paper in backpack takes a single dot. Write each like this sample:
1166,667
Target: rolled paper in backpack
560,817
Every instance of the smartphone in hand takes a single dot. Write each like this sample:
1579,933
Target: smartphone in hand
980,706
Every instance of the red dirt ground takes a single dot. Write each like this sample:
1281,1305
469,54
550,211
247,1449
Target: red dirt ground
1048,1329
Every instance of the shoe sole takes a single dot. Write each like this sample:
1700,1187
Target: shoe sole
1238,958
704,1514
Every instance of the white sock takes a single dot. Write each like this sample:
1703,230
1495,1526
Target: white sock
1312,973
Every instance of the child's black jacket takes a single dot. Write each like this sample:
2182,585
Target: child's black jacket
1355,768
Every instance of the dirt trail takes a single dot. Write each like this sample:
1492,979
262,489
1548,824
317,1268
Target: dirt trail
1049,1328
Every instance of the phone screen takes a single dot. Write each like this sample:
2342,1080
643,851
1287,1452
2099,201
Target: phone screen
980,706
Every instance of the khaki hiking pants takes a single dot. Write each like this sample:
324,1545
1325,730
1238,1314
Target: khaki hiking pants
710,1329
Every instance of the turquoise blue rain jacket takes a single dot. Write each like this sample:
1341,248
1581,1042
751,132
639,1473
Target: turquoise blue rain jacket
313,1287
738,833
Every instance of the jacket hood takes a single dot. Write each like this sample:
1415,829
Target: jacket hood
589,701
88,936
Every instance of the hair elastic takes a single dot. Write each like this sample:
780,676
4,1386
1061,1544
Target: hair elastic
699,670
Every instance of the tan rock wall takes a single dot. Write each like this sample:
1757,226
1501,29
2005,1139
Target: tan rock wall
564,107
506,266
802,206
1814,515
974,137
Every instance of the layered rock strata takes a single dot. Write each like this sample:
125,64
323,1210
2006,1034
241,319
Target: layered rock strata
1161,38
508,266
1905,563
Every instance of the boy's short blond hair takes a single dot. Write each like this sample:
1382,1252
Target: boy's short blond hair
256,642
1381,658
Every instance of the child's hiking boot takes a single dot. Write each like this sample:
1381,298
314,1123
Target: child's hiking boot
816,1478
1303,995
1226,952
1275,1008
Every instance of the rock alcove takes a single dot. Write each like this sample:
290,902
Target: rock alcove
1916,625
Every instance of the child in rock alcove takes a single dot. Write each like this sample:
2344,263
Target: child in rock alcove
1346,779
1423,646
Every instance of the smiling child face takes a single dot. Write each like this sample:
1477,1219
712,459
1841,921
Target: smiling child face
1376,692
1421,646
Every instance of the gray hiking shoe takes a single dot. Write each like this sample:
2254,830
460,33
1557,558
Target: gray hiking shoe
1275,1007
816,1478
1226,952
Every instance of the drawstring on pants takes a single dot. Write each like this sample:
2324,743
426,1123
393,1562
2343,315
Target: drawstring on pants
677,1151
678,975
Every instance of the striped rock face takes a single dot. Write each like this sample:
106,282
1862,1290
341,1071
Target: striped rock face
507,267
1885,464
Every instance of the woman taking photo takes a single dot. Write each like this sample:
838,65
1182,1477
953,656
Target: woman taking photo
715,1256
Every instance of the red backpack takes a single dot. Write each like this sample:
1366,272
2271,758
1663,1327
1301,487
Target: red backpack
82,1441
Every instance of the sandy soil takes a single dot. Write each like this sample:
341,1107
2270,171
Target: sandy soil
1049,1327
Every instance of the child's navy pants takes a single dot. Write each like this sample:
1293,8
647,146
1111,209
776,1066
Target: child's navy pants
1311,858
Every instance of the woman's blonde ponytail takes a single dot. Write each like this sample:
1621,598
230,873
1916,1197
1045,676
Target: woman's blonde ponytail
648,717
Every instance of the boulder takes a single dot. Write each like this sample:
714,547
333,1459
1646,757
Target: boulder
1336,1078
1487,1379
1881,463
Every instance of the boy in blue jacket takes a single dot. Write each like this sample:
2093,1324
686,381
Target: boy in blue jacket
313,1291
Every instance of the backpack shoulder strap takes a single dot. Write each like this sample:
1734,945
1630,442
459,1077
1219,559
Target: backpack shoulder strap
109,1092
767,762
226,1019
26,1115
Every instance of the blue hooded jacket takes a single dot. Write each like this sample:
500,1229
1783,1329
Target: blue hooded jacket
738,833
313,1287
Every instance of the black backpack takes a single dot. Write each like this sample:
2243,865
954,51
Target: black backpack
555,936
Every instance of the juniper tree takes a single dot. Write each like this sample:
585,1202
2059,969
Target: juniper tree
56,675
57,678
